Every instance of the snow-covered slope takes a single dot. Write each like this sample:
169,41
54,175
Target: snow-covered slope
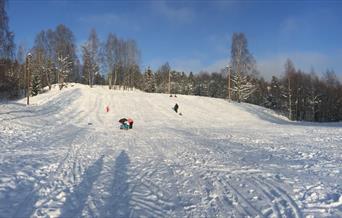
219,159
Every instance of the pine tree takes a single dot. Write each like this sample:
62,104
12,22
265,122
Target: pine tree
99,79
217,86
190,84
314,97
175,82
36,85
275,94
183,84
149,81
162,78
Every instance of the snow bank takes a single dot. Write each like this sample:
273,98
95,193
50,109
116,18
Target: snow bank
217,159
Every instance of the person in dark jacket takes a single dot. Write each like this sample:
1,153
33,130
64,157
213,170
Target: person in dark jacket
176,108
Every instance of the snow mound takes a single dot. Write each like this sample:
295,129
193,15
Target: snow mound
217,159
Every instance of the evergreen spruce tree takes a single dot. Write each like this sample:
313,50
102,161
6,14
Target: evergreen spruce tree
190,84
149,81
36,87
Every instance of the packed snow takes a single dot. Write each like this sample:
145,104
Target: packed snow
65,156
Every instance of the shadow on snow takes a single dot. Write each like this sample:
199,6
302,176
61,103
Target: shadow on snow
77,200
266,114
117,204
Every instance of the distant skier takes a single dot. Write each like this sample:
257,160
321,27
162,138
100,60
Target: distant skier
176,108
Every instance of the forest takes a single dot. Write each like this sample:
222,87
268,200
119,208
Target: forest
115,62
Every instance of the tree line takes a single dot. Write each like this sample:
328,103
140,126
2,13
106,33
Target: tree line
53,59
296,94
115,62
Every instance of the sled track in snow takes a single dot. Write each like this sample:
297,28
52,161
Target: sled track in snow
281,196
240,199
147,191
67,174
50,181
270,197
99,110
275,201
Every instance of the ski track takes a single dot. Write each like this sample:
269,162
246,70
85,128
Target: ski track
64,156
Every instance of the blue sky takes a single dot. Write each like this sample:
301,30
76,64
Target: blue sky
196,35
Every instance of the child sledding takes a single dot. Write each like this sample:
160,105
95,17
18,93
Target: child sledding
126,123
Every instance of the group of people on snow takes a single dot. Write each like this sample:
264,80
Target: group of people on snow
126,123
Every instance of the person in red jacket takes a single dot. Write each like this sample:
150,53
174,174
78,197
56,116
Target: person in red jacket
130,123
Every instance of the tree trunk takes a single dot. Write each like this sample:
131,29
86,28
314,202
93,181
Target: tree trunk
115,76
90,79
47,74
110,81
290,98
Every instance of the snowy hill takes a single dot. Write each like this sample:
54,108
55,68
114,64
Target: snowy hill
218,159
